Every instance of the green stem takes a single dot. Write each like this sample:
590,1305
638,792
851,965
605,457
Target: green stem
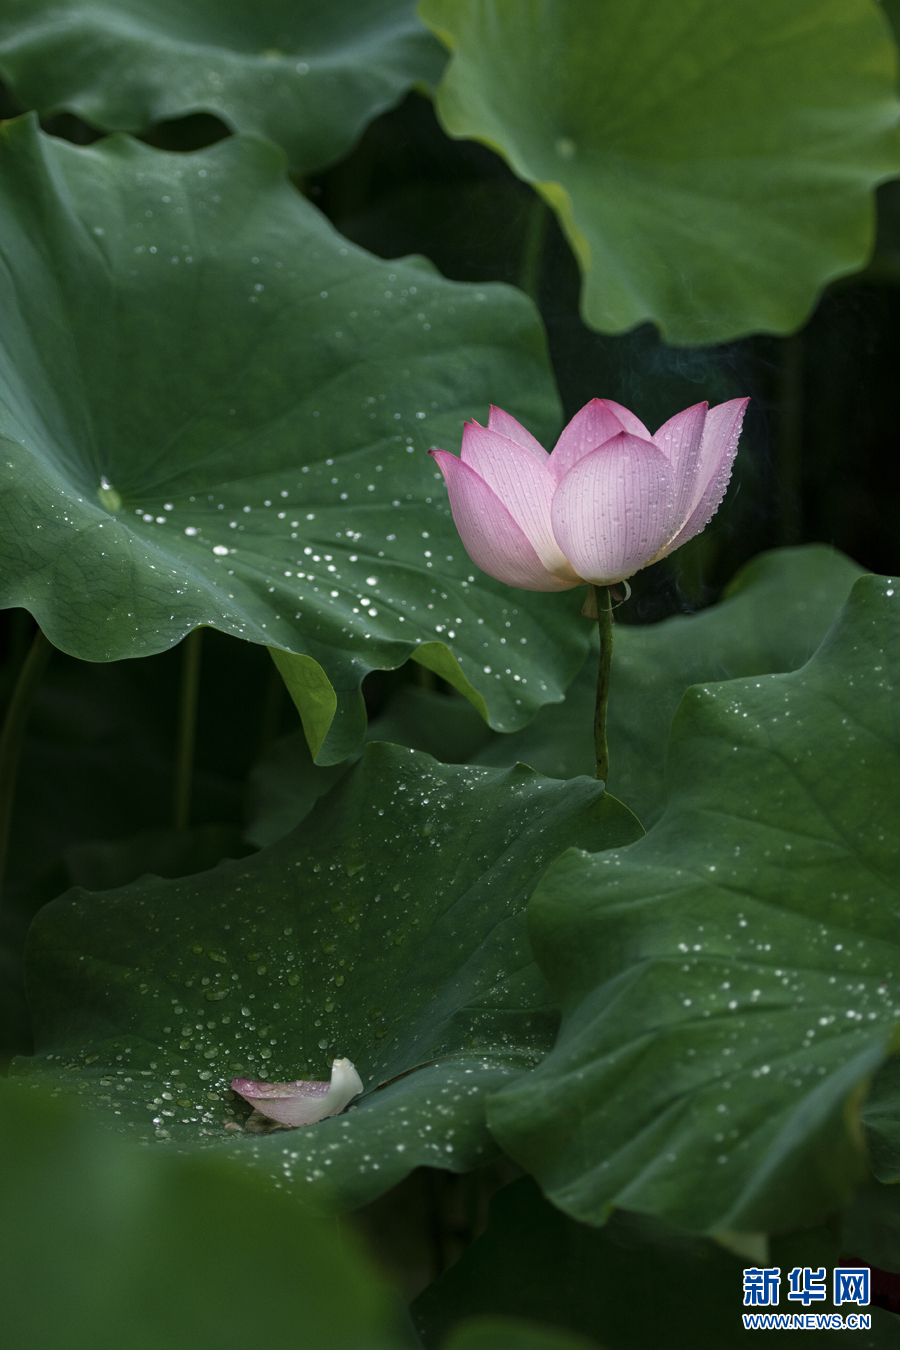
273,701
790,439
13,735
603,601
533,248
187,728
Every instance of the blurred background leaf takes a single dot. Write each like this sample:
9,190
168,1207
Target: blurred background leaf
115,1246
307,75
511,1333
686,151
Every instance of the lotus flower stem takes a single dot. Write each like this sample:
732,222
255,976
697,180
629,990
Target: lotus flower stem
13,736
603,601
187,729
533,247
273,700
790,438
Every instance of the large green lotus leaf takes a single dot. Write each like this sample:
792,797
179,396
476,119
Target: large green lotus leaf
258,395
712,165
771,618
112,1246
729,983
309,75
388,928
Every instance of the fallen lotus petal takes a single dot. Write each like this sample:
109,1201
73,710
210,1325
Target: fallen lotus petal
303,1102
609,500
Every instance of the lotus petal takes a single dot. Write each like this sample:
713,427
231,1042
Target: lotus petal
590,428
718,448
490,535
303,1102
615,509
680,439
524,485
628,419
501,421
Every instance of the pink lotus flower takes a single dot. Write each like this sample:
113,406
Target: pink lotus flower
303,1102
609,500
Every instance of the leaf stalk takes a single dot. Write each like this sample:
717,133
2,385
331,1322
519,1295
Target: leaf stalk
603,602
187,729
532,259
13,736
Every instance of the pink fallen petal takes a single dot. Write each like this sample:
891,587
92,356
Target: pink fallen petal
615,509
501,421
721,433
303,1102
680,439
523,484
490,535
590,428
